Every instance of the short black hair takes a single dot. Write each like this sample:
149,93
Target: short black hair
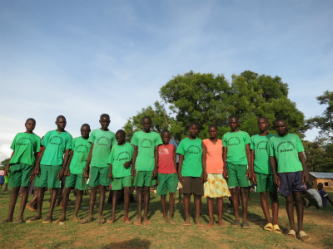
264,118
165,131
212,126
30,119
233,117
60,116
193,124
121,132
104,115
146,117
85,124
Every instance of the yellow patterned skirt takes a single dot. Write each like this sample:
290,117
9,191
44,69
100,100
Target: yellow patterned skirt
216,186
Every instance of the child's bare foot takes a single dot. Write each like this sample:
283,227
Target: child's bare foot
220,223
47,220
127,221
34,218
20,221
211,223
31,208
101,220
76,219
146,221
138,222
187,222
87,220
198,222
166,219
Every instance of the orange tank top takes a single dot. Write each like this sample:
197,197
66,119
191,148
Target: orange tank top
214,160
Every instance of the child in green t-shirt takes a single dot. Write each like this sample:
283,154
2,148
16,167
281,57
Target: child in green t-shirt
263,175
290,173
190,172
50,166
97,168
25,147
144,167
238,157
74,172
120,161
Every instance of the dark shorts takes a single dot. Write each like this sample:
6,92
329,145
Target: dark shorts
291,182
193,185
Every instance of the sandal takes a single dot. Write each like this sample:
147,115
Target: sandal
292,233
303,236
276,228
269,227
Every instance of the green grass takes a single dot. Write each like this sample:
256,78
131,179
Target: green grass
318,223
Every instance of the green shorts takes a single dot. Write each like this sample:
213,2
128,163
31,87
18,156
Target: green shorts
76,181
237,176
143,179
48,177
167,183
19,175
121,182
99,176
265,183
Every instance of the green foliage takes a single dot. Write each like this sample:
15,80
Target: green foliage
210,99
319,155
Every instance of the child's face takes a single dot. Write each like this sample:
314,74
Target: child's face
146,124
30,125
262,125
281,128
233,123
85,131
212,132
193,130
120,137
105,122
166,137
61,123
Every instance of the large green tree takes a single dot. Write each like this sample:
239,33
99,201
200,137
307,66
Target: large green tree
210,99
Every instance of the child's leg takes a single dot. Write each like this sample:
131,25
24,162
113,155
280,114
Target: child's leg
126,204
40,199
197,202
264,206
187,198
290,210
245,198
235,199
24,191
220,210
78,201
275,207
139,203
101,204
92,200
114,204
210,204
146,196
163,204
171,205
65,196
12,203
54,196
299,210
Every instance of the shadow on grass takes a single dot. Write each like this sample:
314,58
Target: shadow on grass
133,243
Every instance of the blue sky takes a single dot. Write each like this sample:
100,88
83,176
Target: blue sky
83,58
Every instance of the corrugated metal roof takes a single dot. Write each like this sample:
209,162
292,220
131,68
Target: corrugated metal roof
325,175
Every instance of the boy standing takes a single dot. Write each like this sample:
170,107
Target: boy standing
237,152
120,161
190,172
290,173
97,167
263,175
167,175
74,172
144,157
50,165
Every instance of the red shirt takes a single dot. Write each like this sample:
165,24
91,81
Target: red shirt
166,155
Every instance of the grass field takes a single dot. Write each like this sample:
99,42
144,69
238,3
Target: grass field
318,224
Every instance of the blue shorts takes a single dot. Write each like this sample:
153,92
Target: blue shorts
291,182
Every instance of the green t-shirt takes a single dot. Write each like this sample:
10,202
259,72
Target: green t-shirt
259,145
81,148
119,155
24,146
55,143
146,142
236,143
285,149
103,141
191,149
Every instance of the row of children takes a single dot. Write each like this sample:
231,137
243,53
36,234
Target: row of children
275,163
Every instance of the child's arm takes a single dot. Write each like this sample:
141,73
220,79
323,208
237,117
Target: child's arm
252,163
181,158
174,158
110,171
204,168
70,156
86,170
224,156
156,161
249,172
135,154
38,160
273,164
64,165
305,168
